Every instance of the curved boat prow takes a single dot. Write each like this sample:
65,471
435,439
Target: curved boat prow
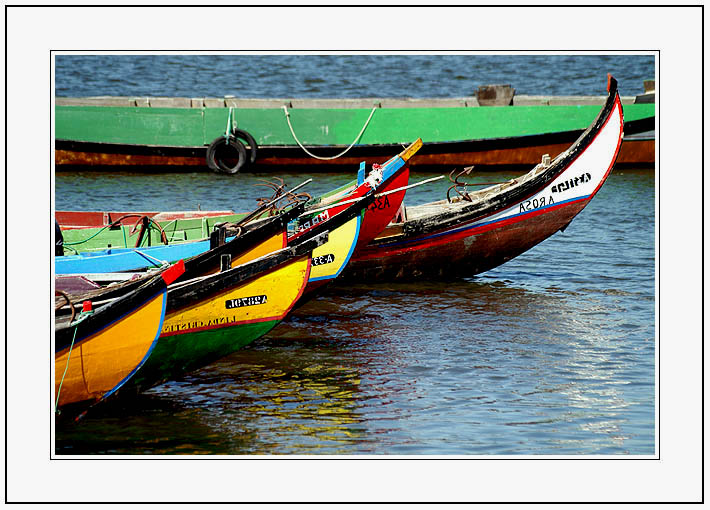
490,226
585,166
396,162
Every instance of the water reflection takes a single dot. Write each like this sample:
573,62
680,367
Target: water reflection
463,367
551,353
306,403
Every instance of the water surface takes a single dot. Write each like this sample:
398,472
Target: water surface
345,76
552,353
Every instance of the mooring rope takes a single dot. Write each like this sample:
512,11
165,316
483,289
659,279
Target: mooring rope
66,367
151,224
152,259
288,119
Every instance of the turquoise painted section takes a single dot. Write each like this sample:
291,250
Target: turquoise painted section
126,259
391,166
361,173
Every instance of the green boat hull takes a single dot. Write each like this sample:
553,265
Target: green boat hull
175,355
197,127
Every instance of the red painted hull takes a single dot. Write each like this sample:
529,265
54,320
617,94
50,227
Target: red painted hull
461,254
491,226
382,211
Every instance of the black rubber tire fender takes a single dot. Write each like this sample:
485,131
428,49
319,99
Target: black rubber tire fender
251,142
218,151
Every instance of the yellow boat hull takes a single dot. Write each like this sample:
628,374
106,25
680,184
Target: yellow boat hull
96,366
223,322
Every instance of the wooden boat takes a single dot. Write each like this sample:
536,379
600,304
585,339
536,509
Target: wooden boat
481,230
121,259
99,351
212,316
274,134
331,259
213,309
217,306
215,314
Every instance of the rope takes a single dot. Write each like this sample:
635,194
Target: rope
152,259
71,347
288,119
89,238
230,124
151,222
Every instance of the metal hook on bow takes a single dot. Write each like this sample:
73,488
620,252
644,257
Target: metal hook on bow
457,183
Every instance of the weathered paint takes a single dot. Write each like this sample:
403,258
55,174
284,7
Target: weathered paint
126,235
88,219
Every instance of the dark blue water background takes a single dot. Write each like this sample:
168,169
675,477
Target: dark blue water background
552,353
349,76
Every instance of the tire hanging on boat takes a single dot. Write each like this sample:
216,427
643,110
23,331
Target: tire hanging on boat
221,150
240,134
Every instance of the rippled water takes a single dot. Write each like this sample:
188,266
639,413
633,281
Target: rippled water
291,75
552,353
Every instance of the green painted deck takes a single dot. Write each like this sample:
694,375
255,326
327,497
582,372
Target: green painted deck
176,231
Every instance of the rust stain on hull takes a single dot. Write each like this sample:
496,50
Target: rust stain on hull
632,152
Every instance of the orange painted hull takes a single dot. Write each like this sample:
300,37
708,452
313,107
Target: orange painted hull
93,367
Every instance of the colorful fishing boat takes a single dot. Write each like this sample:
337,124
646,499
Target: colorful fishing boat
384,180
98,351
313,134
215,308
475,232
214,315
